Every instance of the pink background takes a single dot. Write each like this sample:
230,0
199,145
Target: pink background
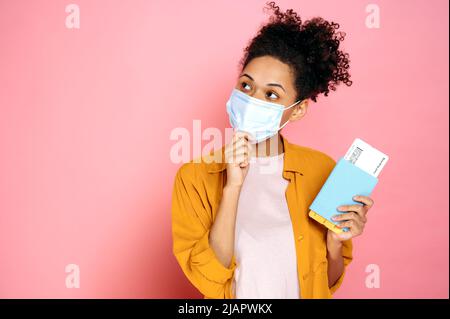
86,115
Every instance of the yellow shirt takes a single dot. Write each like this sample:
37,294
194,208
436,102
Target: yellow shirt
195,201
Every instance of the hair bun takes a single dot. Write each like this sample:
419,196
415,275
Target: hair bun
310,48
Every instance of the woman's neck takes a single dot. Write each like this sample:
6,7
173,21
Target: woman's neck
271,147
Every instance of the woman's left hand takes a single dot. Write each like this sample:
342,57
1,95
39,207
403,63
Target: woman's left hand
355,219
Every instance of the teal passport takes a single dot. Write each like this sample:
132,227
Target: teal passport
345,181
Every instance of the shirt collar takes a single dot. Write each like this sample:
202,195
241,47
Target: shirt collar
292,159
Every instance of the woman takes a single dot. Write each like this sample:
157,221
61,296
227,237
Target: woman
241,230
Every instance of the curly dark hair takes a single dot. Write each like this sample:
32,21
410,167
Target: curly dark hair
311,49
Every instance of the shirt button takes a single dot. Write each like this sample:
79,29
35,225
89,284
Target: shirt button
300,237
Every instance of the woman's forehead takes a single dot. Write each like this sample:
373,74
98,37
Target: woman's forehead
267,69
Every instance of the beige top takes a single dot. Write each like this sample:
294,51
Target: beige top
264,239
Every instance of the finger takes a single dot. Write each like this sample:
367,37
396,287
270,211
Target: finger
243,146
364,199
353,225
347,216
238,149
240,142
357,208
353,228
239,139
241,152
241,135
236,137
247,135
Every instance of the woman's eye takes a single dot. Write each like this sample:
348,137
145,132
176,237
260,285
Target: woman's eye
245,86
272,95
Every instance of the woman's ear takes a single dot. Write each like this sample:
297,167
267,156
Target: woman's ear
299,111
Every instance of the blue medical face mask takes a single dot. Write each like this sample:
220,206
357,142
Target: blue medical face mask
259,118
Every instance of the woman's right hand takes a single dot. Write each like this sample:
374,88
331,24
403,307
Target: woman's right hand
237,154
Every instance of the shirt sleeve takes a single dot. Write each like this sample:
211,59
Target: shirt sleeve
347,248
191,240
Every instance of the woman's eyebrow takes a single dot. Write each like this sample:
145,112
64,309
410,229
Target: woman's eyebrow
276,84
245,74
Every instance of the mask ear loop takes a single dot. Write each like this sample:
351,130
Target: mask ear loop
285,110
